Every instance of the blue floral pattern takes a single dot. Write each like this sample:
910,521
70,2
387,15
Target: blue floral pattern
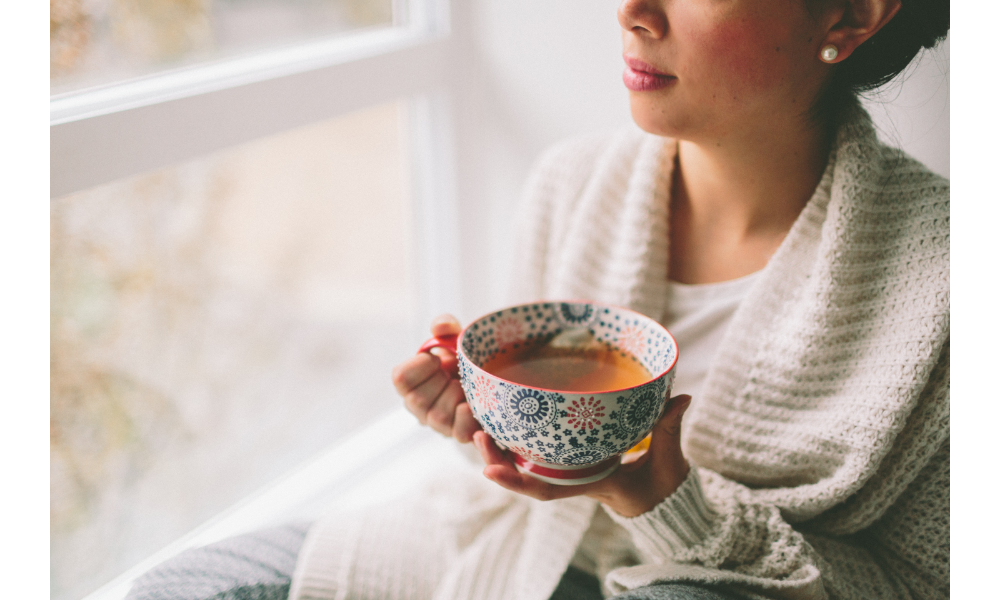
584,456
530,408
641,410
576,314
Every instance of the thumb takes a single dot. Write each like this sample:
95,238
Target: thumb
445,325
666,439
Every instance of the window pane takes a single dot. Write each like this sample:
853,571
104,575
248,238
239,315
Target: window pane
215,324
100,41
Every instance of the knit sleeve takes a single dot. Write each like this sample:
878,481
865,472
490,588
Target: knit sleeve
891,539
719,541
714,530
903,555
750,547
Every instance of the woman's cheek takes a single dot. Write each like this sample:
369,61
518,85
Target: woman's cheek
741,62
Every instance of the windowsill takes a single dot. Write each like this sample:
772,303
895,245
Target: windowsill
349,474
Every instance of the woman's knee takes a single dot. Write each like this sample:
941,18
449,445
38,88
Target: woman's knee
675,591
253,566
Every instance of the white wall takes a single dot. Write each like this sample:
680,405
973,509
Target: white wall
913,111
540,71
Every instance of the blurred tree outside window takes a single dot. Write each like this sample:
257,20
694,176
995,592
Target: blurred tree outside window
94,42
214,325
227,308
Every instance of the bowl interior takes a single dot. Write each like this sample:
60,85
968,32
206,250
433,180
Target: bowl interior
627,331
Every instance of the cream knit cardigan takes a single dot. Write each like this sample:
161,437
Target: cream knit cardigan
820,441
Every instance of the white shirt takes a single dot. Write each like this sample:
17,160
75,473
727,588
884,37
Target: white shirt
697,315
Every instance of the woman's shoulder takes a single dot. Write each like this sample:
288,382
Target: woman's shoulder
886,234
880,188
885,173
585,155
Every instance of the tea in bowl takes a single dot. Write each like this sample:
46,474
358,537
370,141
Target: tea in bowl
567,387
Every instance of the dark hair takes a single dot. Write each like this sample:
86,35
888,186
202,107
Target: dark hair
918,24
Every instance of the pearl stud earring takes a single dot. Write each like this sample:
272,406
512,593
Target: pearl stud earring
828,53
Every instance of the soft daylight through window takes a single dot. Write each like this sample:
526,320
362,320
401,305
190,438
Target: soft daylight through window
216,324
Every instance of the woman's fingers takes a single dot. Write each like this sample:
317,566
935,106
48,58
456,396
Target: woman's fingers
422,398
434,397
491,453
445,325
465,424
501,470
441,415
430,389
506,476
634,489
639,486
412,372
449,362
665,443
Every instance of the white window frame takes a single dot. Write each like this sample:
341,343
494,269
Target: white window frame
111,132
115,131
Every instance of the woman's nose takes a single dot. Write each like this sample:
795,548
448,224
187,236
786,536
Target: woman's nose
643,17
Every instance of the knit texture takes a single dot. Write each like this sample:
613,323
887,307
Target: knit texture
819,443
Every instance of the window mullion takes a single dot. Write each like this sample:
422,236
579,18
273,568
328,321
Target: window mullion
102,148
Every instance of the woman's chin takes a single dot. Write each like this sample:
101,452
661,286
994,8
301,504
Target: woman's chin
655,120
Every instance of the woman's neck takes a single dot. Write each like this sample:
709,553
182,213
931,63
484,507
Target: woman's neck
734,199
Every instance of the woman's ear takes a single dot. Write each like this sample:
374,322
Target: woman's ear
853,22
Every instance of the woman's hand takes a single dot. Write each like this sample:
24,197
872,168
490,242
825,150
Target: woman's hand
635,488
430,387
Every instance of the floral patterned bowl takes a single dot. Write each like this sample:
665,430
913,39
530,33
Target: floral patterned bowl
562,437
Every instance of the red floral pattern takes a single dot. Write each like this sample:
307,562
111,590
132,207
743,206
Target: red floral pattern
485,393
631,340
585,413
508,331
526,453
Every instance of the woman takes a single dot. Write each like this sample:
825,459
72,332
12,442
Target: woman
803,268
820,434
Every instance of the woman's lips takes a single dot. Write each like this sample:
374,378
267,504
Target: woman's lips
642,77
